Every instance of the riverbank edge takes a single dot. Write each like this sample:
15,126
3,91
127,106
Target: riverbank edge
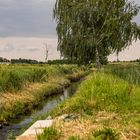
23,106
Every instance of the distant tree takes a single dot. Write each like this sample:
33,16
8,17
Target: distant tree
24,61
62,61
4,59
92,29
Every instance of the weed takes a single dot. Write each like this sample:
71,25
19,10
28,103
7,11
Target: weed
105,134
49,134
74,138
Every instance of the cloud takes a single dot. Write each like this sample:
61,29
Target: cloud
8,48
29,18
26,48
33,49
32,18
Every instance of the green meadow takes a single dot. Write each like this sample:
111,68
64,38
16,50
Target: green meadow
107,104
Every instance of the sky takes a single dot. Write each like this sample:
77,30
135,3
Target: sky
26,26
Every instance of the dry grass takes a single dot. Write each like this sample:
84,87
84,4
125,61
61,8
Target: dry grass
83,126
79,127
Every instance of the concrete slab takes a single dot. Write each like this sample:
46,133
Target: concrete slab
35,129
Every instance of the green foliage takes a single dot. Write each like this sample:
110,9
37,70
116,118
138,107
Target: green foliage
91,29
49,134
74,138
25,61
63,61
18,106
106,134
4,60
103,60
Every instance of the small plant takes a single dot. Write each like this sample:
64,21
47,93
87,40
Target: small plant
49,134
74,138
105,134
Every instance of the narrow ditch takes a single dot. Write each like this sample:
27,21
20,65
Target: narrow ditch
19,124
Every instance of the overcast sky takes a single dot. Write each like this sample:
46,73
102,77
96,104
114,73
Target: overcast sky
25,25
29,18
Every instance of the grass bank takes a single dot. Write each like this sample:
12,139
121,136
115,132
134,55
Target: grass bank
107,106
23,87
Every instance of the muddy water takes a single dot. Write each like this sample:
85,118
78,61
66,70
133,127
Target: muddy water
23,122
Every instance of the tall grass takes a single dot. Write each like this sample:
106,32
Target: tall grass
15,77
49,134
13,80
128,72
102,92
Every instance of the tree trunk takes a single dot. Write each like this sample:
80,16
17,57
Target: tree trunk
98,64
117,56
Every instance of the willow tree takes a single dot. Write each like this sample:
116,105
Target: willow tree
90,29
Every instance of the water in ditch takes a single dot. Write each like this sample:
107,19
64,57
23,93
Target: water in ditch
23,122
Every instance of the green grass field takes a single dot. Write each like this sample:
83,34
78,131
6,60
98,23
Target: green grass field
108,106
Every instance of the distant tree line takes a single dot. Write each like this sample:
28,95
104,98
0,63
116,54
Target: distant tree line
137,60
4,60
20,61
62,61
24,61
51,62
30,61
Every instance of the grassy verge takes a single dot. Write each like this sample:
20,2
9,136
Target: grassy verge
34,84
107,106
